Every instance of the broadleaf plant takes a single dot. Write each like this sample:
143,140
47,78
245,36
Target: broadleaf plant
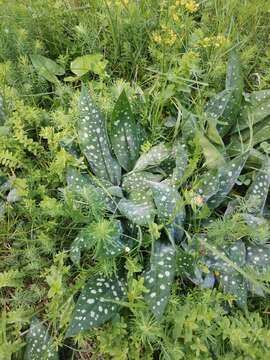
142,191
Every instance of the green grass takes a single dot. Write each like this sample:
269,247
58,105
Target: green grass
166,57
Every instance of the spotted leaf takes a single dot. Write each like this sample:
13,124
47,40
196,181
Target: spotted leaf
39,344
257,193
82,183
185,262
159,277
256,108
153,157
233,283
139,209
167,200
225,106
124,133
229,278
258,257
97,303
180,155
227,176
94,141
206,186
111,244
138,181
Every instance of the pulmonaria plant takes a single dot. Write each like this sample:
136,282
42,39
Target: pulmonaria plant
141,190
136,190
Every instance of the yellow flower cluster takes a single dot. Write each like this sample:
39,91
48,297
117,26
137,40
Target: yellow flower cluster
166,36
216,41
190,5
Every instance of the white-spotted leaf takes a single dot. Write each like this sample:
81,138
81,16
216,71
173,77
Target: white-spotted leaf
227,176
139,181
82,183
39,344
94,141
257,193
159,277
257,108
139,209
97,303
258,257
124,133
153,157
180,154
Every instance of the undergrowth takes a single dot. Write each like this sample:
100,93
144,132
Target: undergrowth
170,58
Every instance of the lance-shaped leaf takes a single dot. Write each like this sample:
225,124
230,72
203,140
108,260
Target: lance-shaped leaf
94,141
207,185
213,157
139,181
97,303
225,106
70,147
139,208
153,157
39,344
167,200
47,67
185,262
227,176
83,182
257,108
124,133
258,257
179,152
105,236
159,277
229,278
257,193
189,125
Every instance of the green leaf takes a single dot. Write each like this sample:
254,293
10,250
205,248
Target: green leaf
207,185
39,343
258,257
227,176
47,67
189,125
139,181
139,209
256,108
159,277
97,303
213,158
93,62
179,152
170,209
94,140
257,193
167,200
231,281
185,262
225,106
111,244
82,183
153,157
234,77
124,133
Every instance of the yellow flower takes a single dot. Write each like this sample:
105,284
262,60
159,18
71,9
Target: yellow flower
216,41
157,38
190,5
175,17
